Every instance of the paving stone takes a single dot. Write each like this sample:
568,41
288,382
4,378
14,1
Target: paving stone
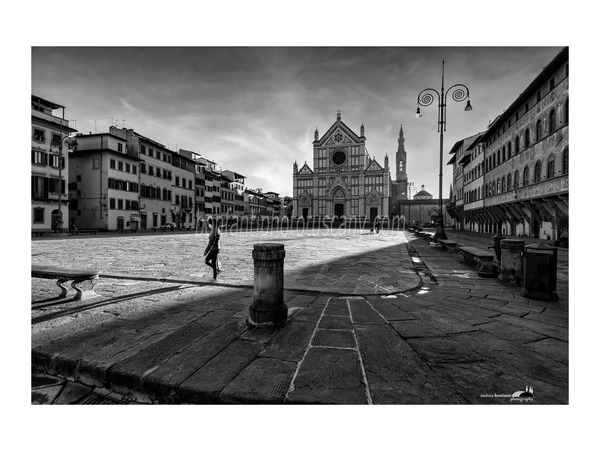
329,375
334,338
45,395
205,385
72,393
442,322
311,314
291,342
166,378
554,349
395,373
363,313
543,328
129,372
335,323
389,309
337,307
265,380
442,349
509,332
415,328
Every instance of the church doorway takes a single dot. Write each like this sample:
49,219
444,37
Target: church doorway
373,214
305,213
338,209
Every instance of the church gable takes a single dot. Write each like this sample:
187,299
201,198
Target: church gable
374,165
339,133
305,170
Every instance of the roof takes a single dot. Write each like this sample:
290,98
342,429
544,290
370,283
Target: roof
46,103
422,194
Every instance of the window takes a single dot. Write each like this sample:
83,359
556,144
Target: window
550,167
508,182
525,176
527,138
509,149
143,167
503,184
565,161
150,170
157,154
39,135
55,140
113,164
177,199
143,149
552,121
120,147
38,215
150,152
120,165
111,203
134,170
127,167
566,111
538,130
176,181
516,179
537,172
158,172
38,157
120,203
127,204
503,154
517,145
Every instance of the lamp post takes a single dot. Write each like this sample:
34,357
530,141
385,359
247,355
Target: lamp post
426,98
69,141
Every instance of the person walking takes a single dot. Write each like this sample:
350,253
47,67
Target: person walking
212,249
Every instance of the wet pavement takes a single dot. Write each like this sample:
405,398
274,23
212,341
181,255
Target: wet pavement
373,319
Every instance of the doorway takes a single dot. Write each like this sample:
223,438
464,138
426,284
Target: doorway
372,214
305,213
338,210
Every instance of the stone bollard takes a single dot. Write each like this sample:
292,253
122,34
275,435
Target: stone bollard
511,266
268,307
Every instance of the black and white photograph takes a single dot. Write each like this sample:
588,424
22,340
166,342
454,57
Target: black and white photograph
272,232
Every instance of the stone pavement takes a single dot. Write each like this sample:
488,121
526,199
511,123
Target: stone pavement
373,319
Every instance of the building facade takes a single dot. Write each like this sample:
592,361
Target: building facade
49,166
104,189
525,163
344,181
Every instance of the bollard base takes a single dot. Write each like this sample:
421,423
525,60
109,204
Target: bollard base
264,316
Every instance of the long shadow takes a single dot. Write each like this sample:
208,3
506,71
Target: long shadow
106,302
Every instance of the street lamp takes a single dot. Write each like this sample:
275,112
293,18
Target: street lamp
426,98
69,141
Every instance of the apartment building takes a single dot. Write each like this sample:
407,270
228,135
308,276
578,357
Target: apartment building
525,162
104,190
49,166
183,187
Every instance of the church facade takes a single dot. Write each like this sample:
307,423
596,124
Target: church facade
344,180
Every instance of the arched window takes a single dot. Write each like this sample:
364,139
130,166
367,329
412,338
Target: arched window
525,176
498,186
565,161
516,179
552,121
538,130
517,145
550,167
509,150
498,156
509,182
537,172
503,184
527,138
478,193
566,111
503,154
494,160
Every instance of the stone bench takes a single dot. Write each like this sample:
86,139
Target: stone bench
482,259
82,280
90,231
447,243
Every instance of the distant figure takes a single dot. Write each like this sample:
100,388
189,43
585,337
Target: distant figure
73,228
212,249
377,225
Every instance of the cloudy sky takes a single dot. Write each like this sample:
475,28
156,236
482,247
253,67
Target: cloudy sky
254,110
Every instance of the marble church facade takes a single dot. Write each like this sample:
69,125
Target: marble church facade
344,180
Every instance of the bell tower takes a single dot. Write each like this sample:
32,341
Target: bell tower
401,176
